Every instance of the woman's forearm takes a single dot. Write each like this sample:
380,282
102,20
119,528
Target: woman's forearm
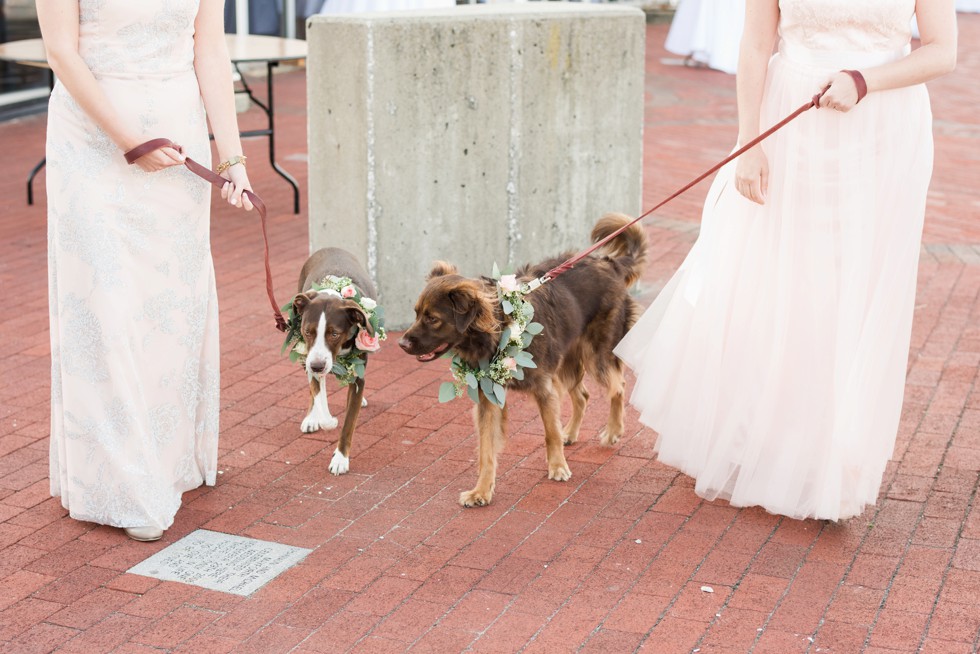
59,26
213,68
935,57
758,36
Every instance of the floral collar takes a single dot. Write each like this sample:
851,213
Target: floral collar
348,365
511,358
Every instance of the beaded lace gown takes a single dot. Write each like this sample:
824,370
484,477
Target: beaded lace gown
773,362
134,316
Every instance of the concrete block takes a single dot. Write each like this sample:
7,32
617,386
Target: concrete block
478,134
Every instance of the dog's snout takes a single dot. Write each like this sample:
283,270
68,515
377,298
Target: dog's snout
405,343
317,366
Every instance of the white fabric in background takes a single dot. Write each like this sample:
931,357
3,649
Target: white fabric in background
709,31
352,6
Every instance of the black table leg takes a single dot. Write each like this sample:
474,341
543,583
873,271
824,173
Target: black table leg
271,113
268,107
40,164
30,180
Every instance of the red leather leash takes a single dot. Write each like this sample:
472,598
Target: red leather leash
567,265
218,181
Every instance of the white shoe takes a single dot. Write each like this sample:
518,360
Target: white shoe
144,534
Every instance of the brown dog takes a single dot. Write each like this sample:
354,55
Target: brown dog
585,312
329,325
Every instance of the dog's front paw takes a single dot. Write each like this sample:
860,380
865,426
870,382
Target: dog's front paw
570,438
475,497
312,423
339,464
609,437
560,472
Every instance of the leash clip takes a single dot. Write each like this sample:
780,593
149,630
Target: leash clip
535,284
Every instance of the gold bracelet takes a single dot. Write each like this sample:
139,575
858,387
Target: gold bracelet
225,165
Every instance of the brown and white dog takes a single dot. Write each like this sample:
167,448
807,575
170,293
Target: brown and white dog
585,312
329,326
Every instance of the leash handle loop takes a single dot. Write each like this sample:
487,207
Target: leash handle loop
570,263
218,181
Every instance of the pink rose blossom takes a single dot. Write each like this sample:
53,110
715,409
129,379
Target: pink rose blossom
509,283
347,291
510,363
367,343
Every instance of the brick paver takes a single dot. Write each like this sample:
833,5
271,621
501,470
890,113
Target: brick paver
623,557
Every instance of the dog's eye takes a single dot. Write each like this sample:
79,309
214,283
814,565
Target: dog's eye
431,320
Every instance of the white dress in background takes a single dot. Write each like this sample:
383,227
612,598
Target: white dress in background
708,31
354,6
134,315
773,363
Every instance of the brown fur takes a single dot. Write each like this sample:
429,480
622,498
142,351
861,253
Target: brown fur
343,319
585,313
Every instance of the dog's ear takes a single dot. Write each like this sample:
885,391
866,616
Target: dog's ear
442,268
466,307
301,301
358,316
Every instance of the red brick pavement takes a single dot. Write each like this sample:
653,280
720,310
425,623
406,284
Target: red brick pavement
617,559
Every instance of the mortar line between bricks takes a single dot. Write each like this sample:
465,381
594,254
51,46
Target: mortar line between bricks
959,535
653,558
759,632
942,584
891,580
598,513
857,550
572,538
738,581
486,573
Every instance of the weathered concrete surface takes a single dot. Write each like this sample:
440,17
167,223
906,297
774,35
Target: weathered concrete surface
476,134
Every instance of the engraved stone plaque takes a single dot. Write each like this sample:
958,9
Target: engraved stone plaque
230,564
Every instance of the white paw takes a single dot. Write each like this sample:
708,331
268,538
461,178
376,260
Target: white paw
339,464
363,401
315,422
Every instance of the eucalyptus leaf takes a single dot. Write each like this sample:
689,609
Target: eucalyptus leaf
484,364
508,307
495,271
486,385
526,338
471,380
473,393
534,328
447,392
517,374
529,310
500,392
526,360
504,339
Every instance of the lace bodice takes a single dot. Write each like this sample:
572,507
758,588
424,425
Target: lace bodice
846,25
137,37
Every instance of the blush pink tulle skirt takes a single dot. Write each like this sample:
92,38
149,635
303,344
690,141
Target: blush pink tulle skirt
773,363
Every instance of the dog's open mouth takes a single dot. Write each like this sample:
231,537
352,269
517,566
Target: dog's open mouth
434,353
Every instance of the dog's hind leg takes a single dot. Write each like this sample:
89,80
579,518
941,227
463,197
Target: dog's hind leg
491,432
340,463
318,416
572,376
615,383
549,404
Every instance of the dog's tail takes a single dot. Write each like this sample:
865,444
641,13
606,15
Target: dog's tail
629,249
